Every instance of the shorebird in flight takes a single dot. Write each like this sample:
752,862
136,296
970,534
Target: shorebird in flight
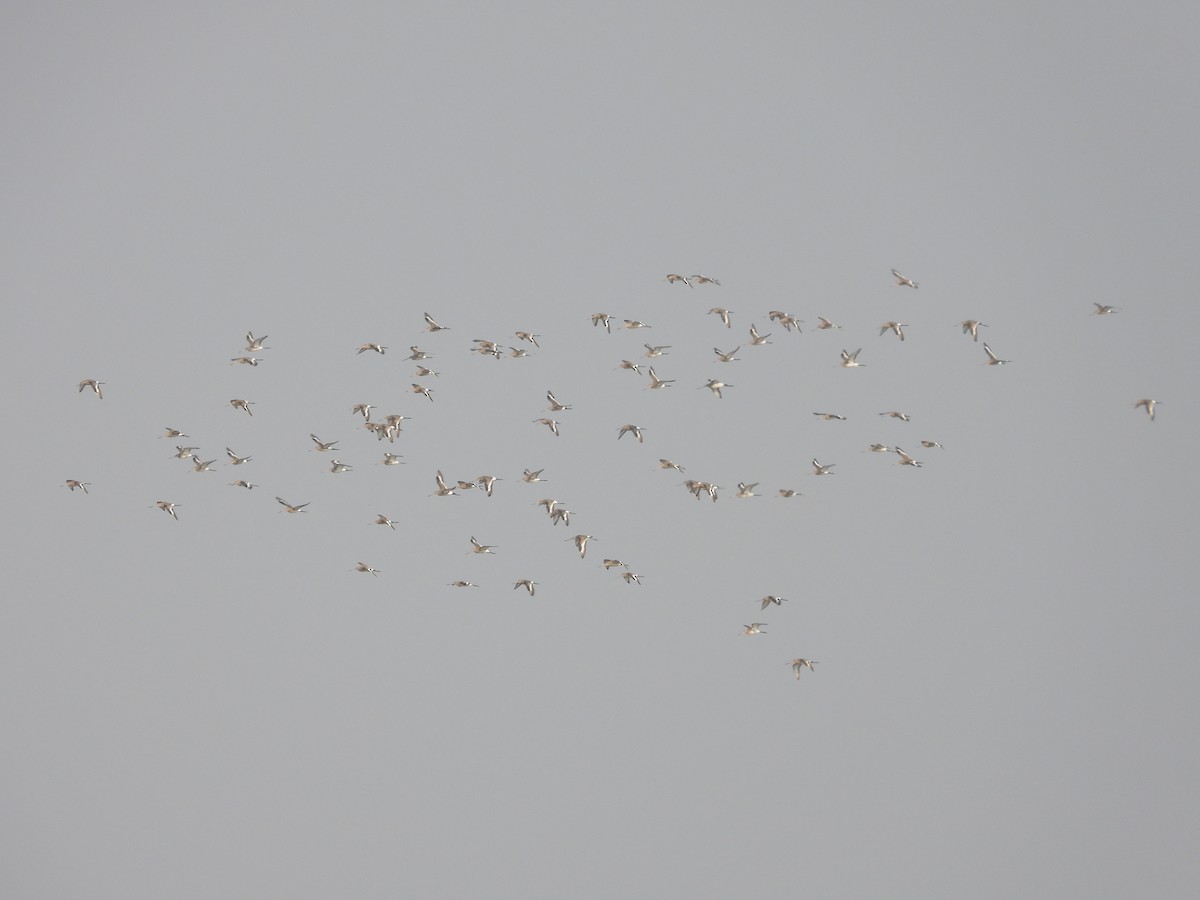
533,477
1149,404
167,507
581,543
894,414
94,385
653,352
771,598
850,360
418,354
184,452
378,348
424,391
527,336
291,508
703,279
525,583
602,319
431,325
199,465
897,327
723,313
72,483
829,417
477,547
880,448
555,406
971,327
635,430
549,423
634,323
656,382
244,405
363,567
727,357
905,459
819,469
381,519
518,353
245,360
676,279
824,324
746,490
462,584
788,493
754,628
1102,310
335,467
425,372
613,564
391,459
631,577
363,408
668,464
322,446
443,489
173,433
486,482
993,359
243,483
757,339
930,444
904,282
628,364
235,459
798,664
715,386
254,344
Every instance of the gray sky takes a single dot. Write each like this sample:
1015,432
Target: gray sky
221,707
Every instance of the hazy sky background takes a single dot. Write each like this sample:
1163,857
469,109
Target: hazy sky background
221,707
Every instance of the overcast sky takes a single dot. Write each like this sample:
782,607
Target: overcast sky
221,706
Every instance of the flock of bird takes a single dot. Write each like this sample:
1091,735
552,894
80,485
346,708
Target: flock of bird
388,428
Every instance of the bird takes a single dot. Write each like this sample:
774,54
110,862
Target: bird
727,357
94,385
424,391
527,336
850,360
754,628
880,448
581,543
532,477
245,360
465,485
676,279
771,598
631,577
897,327
322,446
828,417
602,319
292,508
549,423
555,406
655,351
757,339
184,452
903,417
993,359
335,467
635,430
668,464
798,664
363,567
715,386
477,547
242,483
72,484
825,324
930,444
723,313
703,279
656,382
613,564
788,493
905,459
462,584
173,433
378,348
1149,404
627,364
819,469
254,344
525,583
167,507
560,514
904,282
634,323
244,405
431,325
971,327
790,322
746,490
486,482
1102,310
235,459
425,372
518,353
418,354
199,465
443,489
363,408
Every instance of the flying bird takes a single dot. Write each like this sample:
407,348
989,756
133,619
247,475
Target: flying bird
904,282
